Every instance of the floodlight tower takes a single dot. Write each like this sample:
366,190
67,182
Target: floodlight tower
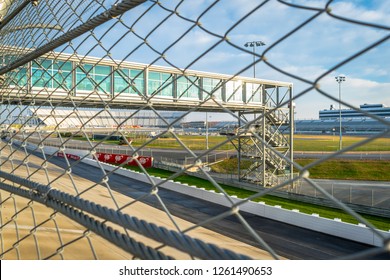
339,80
253,45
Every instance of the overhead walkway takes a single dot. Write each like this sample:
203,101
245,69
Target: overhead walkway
60,80
69,79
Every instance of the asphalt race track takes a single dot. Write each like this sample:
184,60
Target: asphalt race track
288,241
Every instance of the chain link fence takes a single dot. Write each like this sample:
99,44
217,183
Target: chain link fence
134,71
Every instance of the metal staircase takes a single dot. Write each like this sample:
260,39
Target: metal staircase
263,147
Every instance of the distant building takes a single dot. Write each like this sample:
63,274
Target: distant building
379,110
353,121
86,117
358,126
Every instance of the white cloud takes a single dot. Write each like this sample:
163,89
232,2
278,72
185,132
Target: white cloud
354,91
359,12
359,91
308,53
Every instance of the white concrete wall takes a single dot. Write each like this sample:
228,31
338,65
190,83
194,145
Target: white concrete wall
48,150
335,227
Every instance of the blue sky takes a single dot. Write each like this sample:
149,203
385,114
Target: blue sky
308,53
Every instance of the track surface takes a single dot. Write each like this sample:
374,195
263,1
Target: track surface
288,241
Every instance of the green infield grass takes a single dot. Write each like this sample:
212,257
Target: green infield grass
319,143
338,169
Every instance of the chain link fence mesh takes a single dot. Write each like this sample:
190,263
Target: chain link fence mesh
72,71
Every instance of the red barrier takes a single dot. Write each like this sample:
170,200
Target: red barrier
61,154
119,158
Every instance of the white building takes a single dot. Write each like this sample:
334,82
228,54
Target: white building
86,117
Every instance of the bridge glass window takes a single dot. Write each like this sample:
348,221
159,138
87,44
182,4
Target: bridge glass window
94,78
160,84
101,75
42,73
83,78
253,92
234,91
129,81
51,74
62,74
212,86
188,87
18,77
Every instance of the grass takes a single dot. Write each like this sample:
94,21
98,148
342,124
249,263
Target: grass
367,170
337,169
229,166
326,212
329,143
319,143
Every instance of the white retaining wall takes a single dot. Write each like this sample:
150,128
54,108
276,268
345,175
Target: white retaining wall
53,150
336,227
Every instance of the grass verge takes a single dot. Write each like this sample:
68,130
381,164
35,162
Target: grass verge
367,170
320,143
337,169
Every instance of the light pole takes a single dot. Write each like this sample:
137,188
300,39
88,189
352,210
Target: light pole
340,79
253,45
207,132
207,136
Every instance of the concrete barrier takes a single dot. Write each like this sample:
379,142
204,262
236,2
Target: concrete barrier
49,150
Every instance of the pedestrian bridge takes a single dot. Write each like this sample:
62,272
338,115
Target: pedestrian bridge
70,79
58,80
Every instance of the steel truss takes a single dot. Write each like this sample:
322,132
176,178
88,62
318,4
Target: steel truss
264,140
